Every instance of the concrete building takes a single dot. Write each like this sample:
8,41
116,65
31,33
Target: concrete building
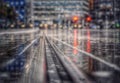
116,5
49,10
105,10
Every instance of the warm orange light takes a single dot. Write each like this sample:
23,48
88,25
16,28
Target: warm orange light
88,41
90,62
75,42
31,25
75,18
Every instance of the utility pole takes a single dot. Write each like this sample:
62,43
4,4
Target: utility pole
106,16
114,14
114,10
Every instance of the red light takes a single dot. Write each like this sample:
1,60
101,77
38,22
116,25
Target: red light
88,41
75,19
75,43
88,19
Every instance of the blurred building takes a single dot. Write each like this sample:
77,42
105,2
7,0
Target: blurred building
20,7
105,10
47,10
28,10
116,4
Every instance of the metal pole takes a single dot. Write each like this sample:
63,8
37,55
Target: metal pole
106,17
32,12
114,13
114,10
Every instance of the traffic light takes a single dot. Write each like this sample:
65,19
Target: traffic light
88,19
75,19
117,25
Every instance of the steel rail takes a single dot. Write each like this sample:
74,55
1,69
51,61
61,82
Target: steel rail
13,48
23,51
51,69
42,60
34,65
113,66
76,75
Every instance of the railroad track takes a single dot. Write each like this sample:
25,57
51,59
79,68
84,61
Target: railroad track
22,60
56,72
60,69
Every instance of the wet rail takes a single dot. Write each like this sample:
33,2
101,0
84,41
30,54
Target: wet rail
60,69
22,59
17,55
10,53
63,56
95,52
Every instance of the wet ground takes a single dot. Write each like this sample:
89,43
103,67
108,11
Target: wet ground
104,44
13,60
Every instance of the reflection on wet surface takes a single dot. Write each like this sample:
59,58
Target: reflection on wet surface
12,63
104,44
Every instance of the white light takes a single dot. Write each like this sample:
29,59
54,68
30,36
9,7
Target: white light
60,26
31,25
46,25
12,25
75,25
79,26
102,74
23,26
41,25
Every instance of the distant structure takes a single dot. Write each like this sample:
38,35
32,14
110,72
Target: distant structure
20,7
105,10
49,10
116,4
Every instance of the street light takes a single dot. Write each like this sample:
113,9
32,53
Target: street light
75,19
88,19
79,26
23,26
41,25
12,25
46,25
31,25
